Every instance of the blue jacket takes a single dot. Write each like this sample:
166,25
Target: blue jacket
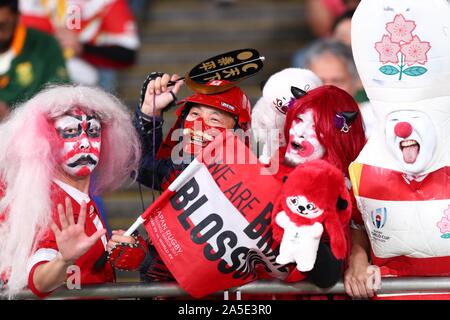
154,173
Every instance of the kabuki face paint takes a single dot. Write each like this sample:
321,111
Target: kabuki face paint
303,144
80,142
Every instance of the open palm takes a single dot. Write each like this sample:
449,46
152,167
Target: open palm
71,239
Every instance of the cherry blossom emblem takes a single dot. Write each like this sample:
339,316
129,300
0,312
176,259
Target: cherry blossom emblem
444,224
401,51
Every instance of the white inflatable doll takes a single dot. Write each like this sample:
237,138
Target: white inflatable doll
401,177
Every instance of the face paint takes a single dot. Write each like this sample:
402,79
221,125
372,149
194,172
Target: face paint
411,137
80,138
197,135
303,144
304,208
281,104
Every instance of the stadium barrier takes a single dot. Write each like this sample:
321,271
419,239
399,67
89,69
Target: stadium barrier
406,285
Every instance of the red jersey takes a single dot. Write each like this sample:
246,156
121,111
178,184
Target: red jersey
47,249
405,220
98,23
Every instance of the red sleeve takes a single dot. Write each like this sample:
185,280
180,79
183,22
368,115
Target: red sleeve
40,23
119,19
46,251
31,285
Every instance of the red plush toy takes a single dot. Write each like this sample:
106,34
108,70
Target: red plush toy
314,197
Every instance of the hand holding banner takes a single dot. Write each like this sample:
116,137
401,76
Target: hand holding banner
212,226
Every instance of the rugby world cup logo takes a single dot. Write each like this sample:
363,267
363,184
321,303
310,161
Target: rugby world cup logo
378,217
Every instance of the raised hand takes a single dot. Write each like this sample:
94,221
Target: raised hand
159,92
71,239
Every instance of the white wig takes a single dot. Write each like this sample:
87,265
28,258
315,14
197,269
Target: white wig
28,164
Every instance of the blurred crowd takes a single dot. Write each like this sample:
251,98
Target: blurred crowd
65,41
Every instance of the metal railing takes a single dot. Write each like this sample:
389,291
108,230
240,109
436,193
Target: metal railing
429,285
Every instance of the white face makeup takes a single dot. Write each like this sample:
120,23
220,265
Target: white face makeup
411,137
304,208
303,145
80,136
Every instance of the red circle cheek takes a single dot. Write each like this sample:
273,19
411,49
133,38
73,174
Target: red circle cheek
308,149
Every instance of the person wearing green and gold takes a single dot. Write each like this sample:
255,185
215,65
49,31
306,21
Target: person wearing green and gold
29,59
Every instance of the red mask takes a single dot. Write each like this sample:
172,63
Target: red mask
197,135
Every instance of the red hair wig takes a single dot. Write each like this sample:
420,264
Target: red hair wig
325,102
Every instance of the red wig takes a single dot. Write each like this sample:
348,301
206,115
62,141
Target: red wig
325,102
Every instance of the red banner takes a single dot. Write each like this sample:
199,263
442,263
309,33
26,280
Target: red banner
212,227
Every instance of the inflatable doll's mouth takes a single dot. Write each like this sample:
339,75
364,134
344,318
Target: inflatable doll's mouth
410,150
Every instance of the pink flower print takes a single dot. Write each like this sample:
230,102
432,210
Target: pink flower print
416,51
444,225
388,50
447,213
402,49
401,29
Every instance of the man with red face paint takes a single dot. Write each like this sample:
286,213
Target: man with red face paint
200,118
52,148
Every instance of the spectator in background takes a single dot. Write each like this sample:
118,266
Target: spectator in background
140,9
322,14
341,32
98,37
28,59
333,63
342,28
